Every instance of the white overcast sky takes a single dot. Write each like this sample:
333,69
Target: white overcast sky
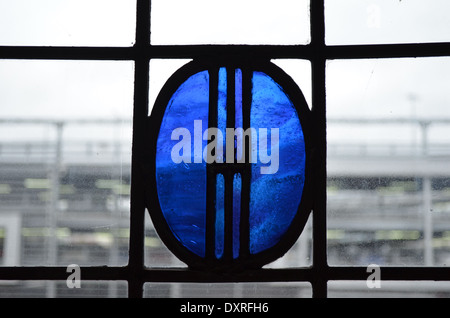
68,89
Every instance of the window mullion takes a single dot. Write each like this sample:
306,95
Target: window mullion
141,89
319,284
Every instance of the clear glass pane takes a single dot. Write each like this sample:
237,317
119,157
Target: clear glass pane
230,22
157,254
300,254
160,71
229,291
388,289
68,23
386,21
65,149
60,289
300,72
388,151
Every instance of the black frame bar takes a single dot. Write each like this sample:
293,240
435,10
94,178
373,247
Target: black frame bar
307,51
317,52
184,275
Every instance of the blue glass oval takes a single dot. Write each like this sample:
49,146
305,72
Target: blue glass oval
277,175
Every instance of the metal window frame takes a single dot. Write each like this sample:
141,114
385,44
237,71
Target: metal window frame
317,52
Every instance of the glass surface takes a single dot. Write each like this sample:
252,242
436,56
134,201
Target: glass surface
276,180
388,289
220,215
386,21
228,291
230,22
156,252
182,186
222,109
158,255
160,71
275,195
40,289
388,150
2,246
300,72
237,188
65,154
238,120
68,23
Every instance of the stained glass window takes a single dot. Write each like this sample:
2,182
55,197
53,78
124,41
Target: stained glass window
230,164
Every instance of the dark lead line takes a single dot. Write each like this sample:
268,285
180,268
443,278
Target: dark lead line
210,173
230,122
246,173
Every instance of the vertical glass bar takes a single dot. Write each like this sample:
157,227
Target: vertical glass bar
238,105
220,215
237,180
237,186
238,97
238,121
222,105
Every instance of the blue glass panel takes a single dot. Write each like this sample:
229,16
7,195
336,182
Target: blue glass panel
220,215
275,196
238,110
238,98
237,187
277,174
222,108
182,186
237,181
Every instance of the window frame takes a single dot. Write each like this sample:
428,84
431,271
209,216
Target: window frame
136,273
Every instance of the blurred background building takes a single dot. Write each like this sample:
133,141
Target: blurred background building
66,201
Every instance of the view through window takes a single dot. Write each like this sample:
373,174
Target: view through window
78,79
